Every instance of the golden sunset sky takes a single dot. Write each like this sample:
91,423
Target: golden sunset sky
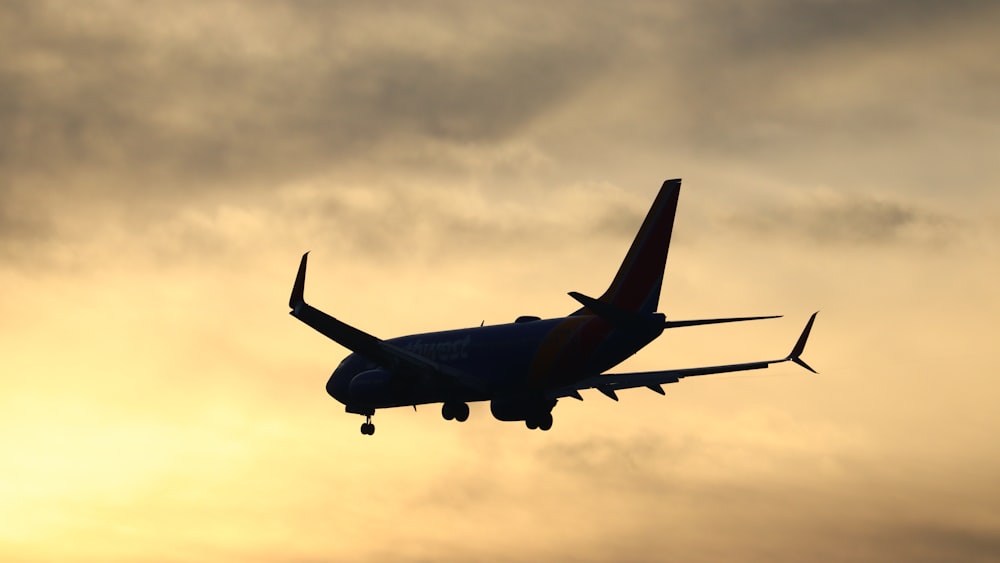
164,164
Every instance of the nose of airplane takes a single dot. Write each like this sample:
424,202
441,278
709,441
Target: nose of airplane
337,386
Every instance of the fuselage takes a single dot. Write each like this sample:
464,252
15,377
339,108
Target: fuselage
523,368
515,359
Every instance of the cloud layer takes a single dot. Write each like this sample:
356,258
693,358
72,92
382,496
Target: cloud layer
164,164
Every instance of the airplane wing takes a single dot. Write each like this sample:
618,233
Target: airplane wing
608,384
386,355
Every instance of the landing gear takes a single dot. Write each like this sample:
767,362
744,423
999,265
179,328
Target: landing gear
541,421
544,424
455,411
367,428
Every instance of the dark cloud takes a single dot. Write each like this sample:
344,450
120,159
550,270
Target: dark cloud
824,91
790,28
167,101
851,219
479,100
183,112
941,541
120,101
142,113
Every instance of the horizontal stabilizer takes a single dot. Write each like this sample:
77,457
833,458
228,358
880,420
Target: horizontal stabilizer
615,315
696,322
609,383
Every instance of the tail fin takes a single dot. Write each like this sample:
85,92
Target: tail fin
636,286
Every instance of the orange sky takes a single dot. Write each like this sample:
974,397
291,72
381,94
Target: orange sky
164,164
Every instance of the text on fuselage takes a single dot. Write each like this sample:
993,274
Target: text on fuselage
445,350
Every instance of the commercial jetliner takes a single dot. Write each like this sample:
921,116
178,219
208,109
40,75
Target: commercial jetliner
523,368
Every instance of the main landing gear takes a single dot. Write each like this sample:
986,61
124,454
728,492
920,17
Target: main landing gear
455,411
542,421
367,428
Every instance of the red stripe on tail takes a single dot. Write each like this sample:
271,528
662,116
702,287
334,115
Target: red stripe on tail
636,286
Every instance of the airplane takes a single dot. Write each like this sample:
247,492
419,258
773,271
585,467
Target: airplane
524,368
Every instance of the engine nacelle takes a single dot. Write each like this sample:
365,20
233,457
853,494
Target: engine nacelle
372,387
519,408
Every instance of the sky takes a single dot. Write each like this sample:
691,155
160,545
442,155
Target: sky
163,165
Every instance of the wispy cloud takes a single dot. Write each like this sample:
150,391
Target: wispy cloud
851,219
164,164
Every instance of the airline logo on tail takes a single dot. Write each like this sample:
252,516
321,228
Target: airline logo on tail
636,286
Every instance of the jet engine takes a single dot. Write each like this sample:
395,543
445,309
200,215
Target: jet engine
534,411
519,408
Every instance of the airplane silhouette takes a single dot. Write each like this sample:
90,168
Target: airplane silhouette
523,368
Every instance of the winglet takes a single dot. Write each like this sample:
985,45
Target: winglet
298,290
800,346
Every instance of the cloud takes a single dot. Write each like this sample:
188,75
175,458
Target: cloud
159,107
162,100
941,541
787,27
826,495
843,218
111,91
163,164
794,89
402,221
23,222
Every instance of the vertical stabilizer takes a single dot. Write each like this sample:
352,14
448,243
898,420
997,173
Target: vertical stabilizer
636,286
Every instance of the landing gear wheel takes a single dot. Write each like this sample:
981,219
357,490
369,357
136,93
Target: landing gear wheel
455,411
545,422
367,428
541,421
